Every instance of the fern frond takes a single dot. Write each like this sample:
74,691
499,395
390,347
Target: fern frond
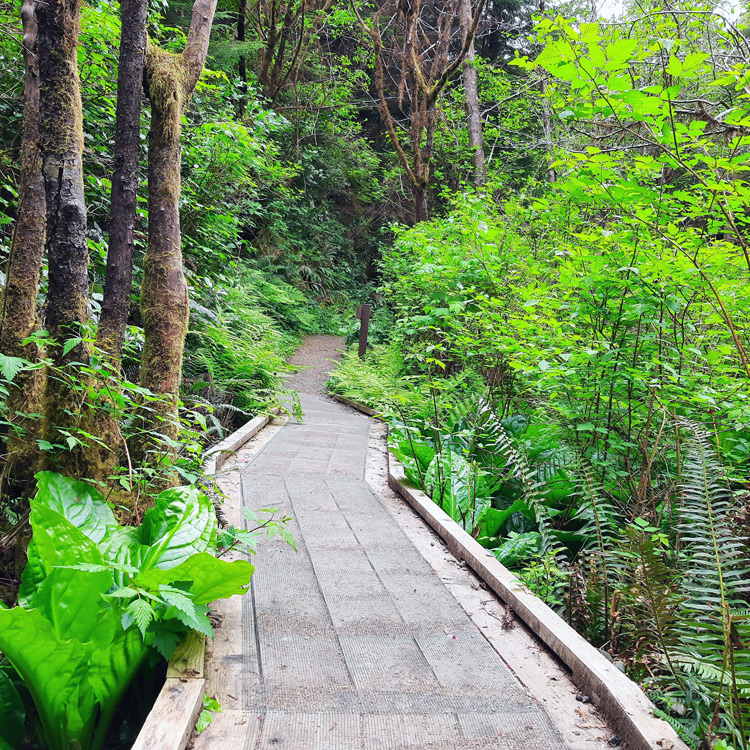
519,465
715,632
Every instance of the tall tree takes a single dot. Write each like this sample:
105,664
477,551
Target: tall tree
119,277
415,46
547,119
171,79
20,317
241,26
471,92
61,132
284,28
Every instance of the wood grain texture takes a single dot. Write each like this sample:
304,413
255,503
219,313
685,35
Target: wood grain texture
172,719
354,404
220,453
188,658
229,730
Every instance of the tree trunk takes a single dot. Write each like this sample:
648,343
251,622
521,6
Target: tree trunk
119,278
241,22
61,131
422,76
19,309
171,79
471,92
421,212
547,121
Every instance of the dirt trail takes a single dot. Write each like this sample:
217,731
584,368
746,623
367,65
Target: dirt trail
318,355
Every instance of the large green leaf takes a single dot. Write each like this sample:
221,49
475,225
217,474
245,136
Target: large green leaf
65,599
495,519
519,546
58,542
77,501
52,669
459,488
111,670
122,547
182,522
33,574
67,641
13,713
209,578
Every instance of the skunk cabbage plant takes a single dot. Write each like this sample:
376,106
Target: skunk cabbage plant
96,598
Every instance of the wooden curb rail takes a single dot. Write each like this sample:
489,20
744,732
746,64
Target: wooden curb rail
220,453
170,722
622,702
359,407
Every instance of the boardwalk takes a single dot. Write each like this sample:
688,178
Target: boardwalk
353,641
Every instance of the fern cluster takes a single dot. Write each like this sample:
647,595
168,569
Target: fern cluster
660,583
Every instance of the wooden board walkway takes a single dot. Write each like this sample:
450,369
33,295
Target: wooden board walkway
353,641
358,639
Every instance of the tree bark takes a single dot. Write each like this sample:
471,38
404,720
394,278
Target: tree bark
421,55
471,92
19,307
171,79
119,277
421,210
241,24
547,121
61,131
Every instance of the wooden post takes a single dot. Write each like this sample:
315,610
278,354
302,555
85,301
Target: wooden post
363,315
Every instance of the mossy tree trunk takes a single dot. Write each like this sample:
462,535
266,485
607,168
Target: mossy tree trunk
471,94
100,420
20,317
61,132
171,79
119,277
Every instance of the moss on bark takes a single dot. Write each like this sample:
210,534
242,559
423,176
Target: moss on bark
20,317
66,410
171,79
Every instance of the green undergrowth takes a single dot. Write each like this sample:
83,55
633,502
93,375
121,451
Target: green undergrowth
373,380
240,338
568,393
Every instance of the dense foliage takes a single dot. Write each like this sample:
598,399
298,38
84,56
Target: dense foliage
97,597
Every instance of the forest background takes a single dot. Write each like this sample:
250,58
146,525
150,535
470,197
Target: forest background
548,212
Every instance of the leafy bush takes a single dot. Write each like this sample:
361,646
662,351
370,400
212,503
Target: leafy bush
97,598
374,380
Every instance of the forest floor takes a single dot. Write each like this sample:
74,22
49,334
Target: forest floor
371,635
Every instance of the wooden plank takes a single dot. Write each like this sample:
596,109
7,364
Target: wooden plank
616,695
229,730
188,658
171,721
218,455
227,675
354,404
